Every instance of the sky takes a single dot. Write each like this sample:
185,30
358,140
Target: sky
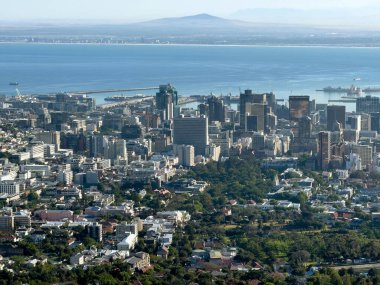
140,10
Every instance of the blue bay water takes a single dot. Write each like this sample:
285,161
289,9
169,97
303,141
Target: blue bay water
44,68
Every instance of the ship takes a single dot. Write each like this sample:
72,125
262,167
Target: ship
13,83
339,89
330,89
353,93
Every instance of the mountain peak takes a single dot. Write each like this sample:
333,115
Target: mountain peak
203,16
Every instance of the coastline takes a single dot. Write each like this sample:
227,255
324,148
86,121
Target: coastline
193,45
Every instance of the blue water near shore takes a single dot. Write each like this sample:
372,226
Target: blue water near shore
44,68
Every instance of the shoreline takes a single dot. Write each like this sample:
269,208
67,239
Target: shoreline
196,45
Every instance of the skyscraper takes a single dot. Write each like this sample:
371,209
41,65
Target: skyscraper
336,114
304,128
166,98
355,121
185,154
216,109
299,106
368,104
375,121
324,150
191,131
249,97
255,119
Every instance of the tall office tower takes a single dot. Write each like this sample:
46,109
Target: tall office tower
115,148
375,121
191,131
304,128
185,154
365,122
299,106
94,230
336,114
256,115
365,152
355,122
203,109
368,104
271,101
95,145
166,99
271,121
324,150
216,109
249,97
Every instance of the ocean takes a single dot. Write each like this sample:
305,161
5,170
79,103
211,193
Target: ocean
193,70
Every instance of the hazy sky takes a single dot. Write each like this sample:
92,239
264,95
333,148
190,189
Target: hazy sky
136,10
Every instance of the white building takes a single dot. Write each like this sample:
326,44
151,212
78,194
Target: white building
65,176
10,187
185,154
354,162
213,152
127,243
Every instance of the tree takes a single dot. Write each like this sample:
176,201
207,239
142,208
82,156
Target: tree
297,261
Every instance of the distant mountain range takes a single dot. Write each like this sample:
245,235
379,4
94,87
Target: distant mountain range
347,18
196,29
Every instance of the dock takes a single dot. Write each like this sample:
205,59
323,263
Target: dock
88,92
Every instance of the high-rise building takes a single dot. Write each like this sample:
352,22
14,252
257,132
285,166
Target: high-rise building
185,155
95,145
191,131
336,114
95,231
354,121
299,106
256,115
115,148
365,152
304,128
216,109
213,152
65,176
375,121
368,104
365,122
166,99
249,97
324,150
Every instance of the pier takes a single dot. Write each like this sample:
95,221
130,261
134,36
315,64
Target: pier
112,90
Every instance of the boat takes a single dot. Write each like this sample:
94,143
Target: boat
357,79
330,89
354,91
13,83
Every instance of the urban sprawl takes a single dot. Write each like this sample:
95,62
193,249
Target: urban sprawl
148,191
